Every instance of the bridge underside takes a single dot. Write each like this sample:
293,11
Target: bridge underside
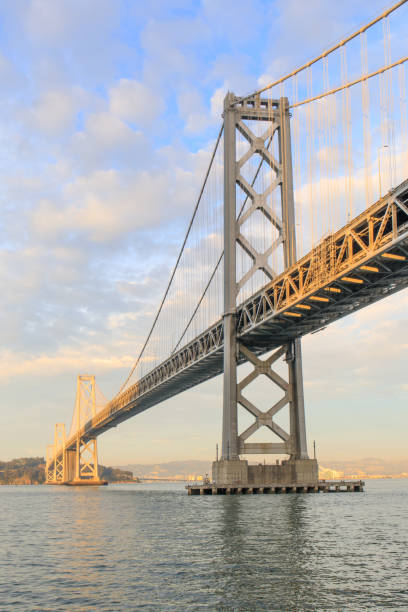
362,263
343,298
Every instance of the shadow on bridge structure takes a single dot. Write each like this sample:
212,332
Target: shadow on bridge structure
302,219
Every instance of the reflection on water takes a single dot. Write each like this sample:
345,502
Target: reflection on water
266,552
151,547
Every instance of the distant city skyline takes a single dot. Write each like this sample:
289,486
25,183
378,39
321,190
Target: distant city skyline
109,114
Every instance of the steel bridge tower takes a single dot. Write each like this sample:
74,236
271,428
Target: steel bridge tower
77,464
239,116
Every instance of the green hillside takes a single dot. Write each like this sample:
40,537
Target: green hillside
31,470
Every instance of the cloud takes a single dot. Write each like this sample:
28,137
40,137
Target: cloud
103,206
106,205
299,31
110,113
134,102
166,46
237,20
10,76
371,345
54,113
50,23
90,358
197,118
108,142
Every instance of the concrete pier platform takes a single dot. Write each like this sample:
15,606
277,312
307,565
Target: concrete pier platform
85,483
322,486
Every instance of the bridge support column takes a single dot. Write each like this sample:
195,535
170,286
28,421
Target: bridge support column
230,416
85,460
239,116
70,464
294,355
296,405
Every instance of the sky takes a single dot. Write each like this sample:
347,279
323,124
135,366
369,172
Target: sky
110,109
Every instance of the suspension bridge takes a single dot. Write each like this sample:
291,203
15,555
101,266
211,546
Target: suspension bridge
302,219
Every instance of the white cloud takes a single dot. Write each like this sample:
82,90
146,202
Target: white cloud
197,118
237,20
98,176
87,358
299,31
106,141
10,76
54,113
233,70
134,102
217,100
105,205
51,22
371,346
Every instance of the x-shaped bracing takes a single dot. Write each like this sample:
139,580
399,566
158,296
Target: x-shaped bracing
259,201
88,463
264,419
59,467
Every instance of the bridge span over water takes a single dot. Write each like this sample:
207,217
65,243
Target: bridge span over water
259,268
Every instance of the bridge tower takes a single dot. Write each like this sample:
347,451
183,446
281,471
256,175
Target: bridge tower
239,116
75,460
55,465
59,457
49,464
82,461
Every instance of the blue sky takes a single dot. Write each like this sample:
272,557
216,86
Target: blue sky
109,112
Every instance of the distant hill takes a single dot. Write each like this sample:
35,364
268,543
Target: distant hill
31,470
26,470
193,469
179,470
369,466
115,474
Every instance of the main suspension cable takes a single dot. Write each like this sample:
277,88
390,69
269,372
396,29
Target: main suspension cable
219,260
177,262
325,53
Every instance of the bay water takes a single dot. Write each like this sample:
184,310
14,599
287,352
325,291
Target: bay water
152,547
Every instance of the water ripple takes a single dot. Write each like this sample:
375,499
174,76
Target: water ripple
150,547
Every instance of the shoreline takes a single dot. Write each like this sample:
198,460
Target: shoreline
135,482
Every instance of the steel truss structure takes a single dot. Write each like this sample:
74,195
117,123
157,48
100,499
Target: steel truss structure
366,259
361,276
49,463
240,116
55,460
265,419
359,264
77,461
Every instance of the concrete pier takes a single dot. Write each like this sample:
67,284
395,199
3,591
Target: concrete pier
86,482
236,477
237,473
324,486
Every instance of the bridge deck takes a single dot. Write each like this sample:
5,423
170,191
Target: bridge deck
363,262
